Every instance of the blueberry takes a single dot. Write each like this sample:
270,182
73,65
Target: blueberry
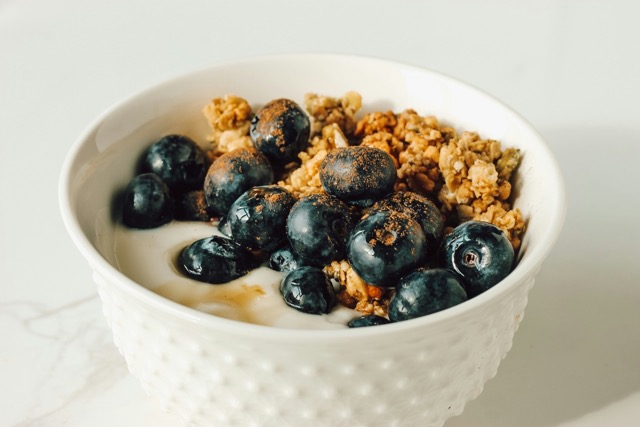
419,208
280,130
359,175
424,292
318,227
215,260
367,320
285,259
257,219
232,174
190,206
223,226
480,253
178,160
384,246
147,202
309,290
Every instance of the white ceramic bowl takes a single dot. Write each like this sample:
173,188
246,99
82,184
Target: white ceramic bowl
214,371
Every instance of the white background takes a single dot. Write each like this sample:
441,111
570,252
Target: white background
571,67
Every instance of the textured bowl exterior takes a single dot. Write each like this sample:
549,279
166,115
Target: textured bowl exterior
220,372
210,377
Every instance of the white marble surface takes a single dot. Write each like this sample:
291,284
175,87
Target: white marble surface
571,67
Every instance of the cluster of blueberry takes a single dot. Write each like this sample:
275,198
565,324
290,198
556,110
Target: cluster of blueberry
391,239
171,169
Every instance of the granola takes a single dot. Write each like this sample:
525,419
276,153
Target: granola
355,293
326,110
229,119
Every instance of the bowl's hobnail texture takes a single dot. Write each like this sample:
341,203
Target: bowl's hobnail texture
211,377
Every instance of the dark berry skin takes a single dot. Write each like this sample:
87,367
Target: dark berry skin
318,228
384,246
215,260
359,175
424,292
367,320
418,207
190,206
480,253
309,290
232,174
257,219
280,130
285,259
223,226
178,160
147,202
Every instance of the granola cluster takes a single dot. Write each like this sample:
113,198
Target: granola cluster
304,179
327,110
467,176
229,119
477,186
355,293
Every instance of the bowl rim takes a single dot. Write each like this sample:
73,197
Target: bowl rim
527,266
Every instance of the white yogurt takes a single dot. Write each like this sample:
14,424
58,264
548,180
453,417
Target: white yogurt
149,258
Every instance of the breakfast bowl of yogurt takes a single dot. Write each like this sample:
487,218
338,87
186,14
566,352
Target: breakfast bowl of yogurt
312,239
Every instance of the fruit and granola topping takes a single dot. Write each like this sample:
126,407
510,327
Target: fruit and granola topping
280,130
258,218
480,253
318,228
216,260
233,173
424,292
393,215
309,290
147,202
